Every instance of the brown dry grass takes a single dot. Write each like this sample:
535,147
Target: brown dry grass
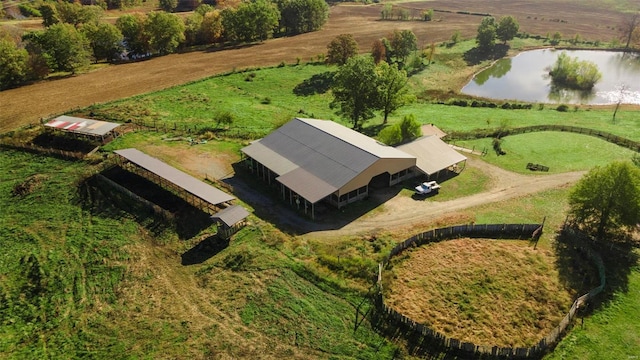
488,292
30,103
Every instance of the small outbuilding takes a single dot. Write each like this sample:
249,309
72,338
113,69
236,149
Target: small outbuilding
95,130
434,155
230,220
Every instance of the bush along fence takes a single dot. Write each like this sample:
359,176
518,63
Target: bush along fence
502,132
461,348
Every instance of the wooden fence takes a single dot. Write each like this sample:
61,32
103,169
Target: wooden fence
73,155
467,349
502,132
195,129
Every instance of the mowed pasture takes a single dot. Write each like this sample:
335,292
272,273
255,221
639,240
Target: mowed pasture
592,20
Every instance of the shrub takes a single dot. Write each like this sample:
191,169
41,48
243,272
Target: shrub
562,108
29,11
497,146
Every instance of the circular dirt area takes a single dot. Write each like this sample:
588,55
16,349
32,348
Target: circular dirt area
489,292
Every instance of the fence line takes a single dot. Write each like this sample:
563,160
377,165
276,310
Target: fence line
498,133
74,155
194,129
493,231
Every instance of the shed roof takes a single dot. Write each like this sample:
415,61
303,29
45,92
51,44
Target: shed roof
231,215
183,180
432,154
315,158
82,126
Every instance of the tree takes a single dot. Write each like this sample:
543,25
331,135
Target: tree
402,44
390,135
486,34
341,49
168,5
354,90
629,28
13,64
410,128
378,51
507,28
76,14
392,88
607,200
132,28
302,16
556,38
105,40
211,30
570,72
49,14
165,31
250,21
64,47
192,29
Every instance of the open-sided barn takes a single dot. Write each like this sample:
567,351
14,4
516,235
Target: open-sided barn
312,160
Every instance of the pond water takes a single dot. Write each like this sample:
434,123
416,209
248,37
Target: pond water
525,78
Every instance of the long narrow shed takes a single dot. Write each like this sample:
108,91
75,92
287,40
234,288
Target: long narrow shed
194,191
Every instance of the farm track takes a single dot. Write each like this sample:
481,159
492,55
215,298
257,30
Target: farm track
30,103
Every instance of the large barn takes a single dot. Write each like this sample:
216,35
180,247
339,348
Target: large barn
312,160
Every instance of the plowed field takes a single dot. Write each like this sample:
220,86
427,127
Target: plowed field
30,103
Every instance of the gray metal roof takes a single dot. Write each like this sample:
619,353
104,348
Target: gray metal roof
183,180
81,126
315,158
432,154
231,215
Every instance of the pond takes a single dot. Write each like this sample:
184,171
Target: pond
525,78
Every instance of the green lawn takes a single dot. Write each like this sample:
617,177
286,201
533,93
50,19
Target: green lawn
561,152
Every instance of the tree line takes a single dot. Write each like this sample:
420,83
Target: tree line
75,34
364,84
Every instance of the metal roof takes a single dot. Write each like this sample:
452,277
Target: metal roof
306,184
432,154
231,215
315,158
183,180
81,126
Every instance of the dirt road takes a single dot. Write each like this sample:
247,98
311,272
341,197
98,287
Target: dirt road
405,213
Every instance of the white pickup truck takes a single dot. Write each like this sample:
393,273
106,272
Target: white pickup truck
427,188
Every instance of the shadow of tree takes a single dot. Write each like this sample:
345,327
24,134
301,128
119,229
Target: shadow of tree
477,55
316,84
204,250
372,130
578,272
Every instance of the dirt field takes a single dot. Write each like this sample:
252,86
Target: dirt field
30,103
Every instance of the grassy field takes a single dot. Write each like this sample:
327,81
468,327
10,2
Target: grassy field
561,152
81,277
